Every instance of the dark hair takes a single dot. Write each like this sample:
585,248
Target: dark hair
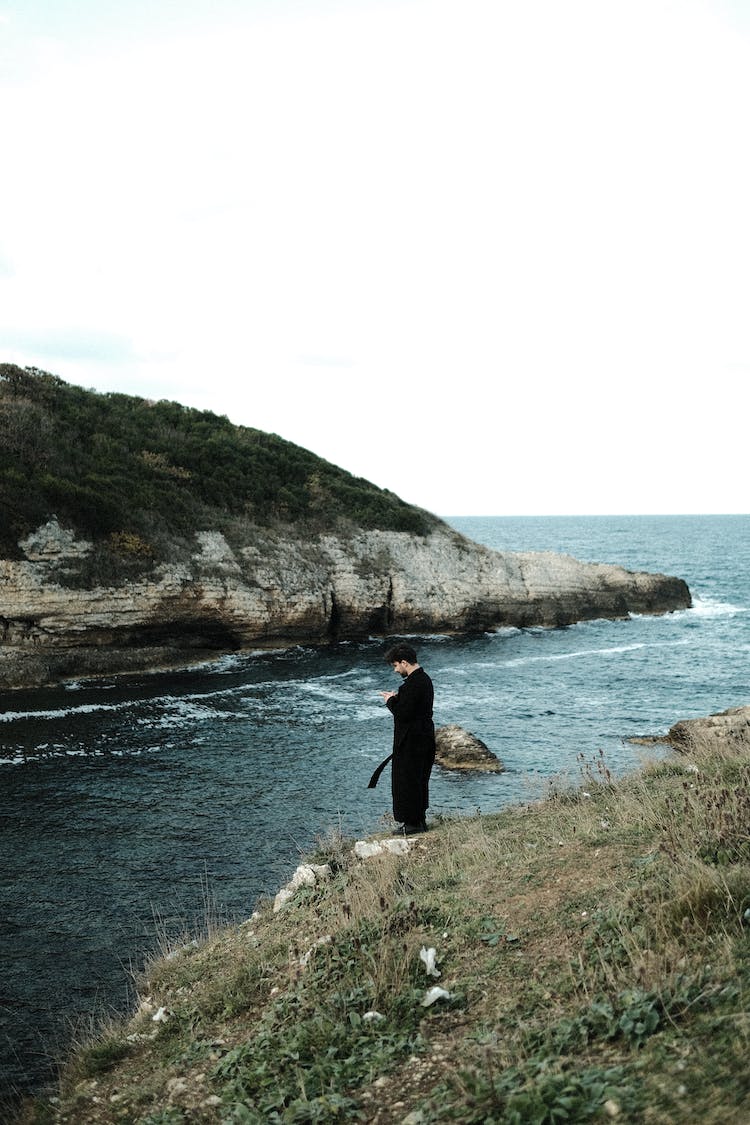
401,652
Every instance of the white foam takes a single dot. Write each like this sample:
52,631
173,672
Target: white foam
712,607
613,650
64,712
228,662
323,691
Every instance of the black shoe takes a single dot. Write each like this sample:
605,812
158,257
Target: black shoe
413,829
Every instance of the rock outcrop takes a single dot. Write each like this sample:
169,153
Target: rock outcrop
276,589
711,732
459,749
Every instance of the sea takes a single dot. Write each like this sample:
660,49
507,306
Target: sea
136,811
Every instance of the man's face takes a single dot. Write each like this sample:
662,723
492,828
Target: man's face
401,667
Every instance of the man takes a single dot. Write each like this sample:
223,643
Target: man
413,739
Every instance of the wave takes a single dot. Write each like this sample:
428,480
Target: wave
44,753
713,607
65,712
179,712
195,699
228,662
396,638
612,650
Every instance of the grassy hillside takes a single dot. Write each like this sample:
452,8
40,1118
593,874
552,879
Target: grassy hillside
595,947
133,473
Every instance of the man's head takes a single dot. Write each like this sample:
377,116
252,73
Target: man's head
403,658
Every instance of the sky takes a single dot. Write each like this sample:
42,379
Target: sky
493,255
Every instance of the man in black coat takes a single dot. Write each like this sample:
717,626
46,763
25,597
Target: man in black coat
413,739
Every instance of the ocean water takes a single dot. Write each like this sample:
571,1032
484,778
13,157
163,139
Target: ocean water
131,807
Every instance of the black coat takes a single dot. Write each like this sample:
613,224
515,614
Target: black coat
413,746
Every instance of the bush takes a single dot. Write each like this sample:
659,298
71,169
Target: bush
105,462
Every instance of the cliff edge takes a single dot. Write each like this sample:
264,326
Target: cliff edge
277,588
138,534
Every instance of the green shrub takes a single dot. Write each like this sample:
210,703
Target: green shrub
107,462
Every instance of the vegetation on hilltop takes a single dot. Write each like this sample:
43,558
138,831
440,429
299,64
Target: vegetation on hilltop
133,473
595,949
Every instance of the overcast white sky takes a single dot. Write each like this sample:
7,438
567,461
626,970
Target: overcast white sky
493,255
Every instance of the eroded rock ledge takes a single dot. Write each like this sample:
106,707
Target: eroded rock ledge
711,732
277,589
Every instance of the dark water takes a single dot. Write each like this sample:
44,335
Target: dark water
127,807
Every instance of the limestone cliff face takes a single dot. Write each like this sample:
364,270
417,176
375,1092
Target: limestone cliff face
276,589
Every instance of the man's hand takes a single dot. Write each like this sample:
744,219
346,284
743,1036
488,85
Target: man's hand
386,695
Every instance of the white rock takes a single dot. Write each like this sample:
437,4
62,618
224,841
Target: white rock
397,845
282,898
160,1016
371,1016
306,875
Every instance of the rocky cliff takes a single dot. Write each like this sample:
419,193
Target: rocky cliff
713,732
276,587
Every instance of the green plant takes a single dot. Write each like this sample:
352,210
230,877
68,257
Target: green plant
541,1091
314,1043
101,1056
164,1117
116,465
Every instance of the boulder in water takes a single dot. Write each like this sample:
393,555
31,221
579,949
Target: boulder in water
459,749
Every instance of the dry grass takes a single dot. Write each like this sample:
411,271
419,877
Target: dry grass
594,945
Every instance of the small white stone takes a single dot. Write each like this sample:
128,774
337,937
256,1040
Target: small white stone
160,1016
611,1108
